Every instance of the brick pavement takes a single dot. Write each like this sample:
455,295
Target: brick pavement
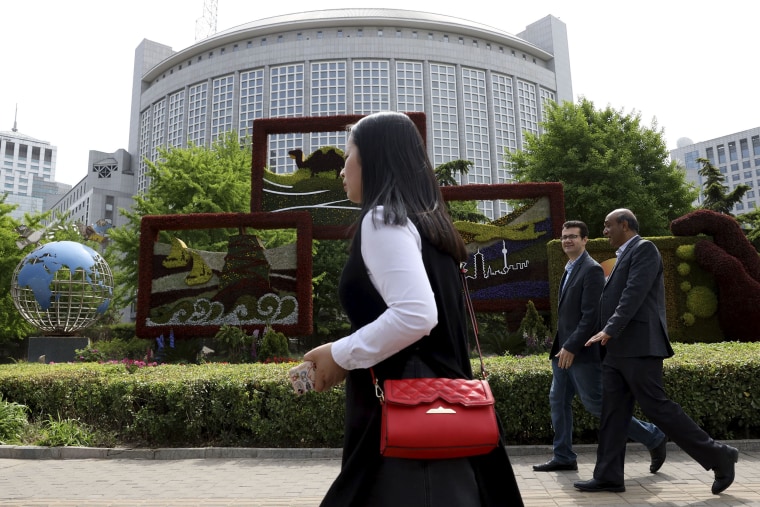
299,478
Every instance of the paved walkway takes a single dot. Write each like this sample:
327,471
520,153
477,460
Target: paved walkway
299,477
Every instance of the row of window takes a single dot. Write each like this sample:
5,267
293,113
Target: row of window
732,151
512,104
358,32
74,195
747,174
37,153
740,206
21,167
733,154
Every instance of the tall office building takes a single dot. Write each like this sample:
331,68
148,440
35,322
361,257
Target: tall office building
480,87
27,172
737,156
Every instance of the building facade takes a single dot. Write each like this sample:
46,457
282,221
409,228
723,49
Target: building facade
737,156
95,200
27,172
481,88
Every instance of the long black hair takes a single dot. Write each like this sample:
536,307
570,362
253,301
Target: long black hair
397,174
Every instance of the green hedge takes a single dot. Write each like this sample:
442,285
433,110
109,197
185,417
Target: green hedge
253,405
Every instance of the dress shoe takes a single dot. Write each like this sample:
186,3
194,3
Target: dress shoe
725,471
593,485
554,465
658,455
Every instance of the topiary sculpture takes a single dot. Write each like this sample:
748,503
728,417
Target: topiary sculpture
735,265
325,159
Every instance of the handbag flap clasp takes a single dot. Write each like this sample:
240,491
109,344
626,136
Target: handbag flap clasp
441,410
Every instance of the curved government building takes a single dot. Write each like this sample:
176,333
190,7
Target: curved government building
479,86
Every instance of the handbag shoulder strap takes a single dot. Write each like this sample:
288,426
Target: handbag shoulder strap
471,312
473,320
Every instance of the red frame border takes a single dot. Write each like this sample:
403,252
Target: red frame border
554,191
264,127
150,227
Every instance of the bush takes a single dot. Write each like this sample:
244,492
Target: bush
114,350
237,346
253,405
533,330
123,332
274,345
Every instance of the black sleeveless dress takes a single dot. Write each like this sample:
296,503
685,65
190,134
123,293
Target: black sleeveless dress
369,480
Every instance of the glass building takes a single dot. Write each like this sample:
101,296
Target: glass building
480,87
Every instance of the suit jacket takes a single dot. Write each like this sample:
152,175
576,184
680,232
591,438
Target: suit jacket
578,310
632,306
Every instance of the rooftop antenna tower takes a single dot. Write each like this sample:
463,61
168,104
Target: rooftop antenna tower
15,117
205,26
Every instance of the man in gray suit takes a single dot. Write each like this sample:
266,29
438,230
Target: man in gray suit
577,369
634,331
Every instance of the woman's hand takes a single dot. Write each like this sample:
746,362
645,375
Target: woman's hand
327,372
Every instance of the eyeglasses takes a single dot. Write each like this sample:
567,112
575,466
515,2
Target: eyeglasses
569,236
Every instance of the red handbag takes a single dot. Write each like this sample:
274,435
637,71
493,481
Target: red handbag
438,418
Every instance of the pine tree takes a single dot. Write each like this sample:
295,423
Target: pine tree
715,192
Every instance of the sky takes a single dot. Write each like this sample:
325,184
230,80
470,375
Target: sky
687,68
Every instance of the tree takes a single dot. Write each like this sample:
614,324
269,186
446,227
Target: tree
751,224
446,174
184,181
12,324
717,197
605,160
330,322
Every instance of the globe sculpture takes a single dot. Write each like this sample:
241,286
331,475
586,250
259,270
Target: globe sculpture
62,287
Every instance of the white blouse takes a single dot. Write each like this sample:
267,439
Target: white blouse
393,256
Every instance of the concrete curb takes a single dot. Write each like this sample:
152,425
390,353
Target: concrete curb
178,453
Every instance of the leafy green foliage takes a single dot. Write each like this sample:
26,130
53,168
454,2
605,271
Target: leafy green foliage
114,350
751,223
12,421
446,172
606,160
533,330
12,325
274,346
236,344
56,432
329,319
184,181
446,175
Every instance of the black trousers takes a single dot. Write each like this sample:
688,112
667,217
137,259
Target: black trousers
626,380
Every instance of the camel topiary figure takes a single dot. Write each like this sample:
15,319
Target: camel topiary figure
325,159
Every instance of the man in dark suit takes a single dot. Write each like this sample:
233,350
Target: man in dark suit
634,330
577,369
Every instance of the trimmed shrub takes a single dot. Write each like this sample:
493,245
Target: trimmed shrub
253,405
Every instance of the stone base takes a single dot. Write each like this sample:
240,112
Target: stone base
55,349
